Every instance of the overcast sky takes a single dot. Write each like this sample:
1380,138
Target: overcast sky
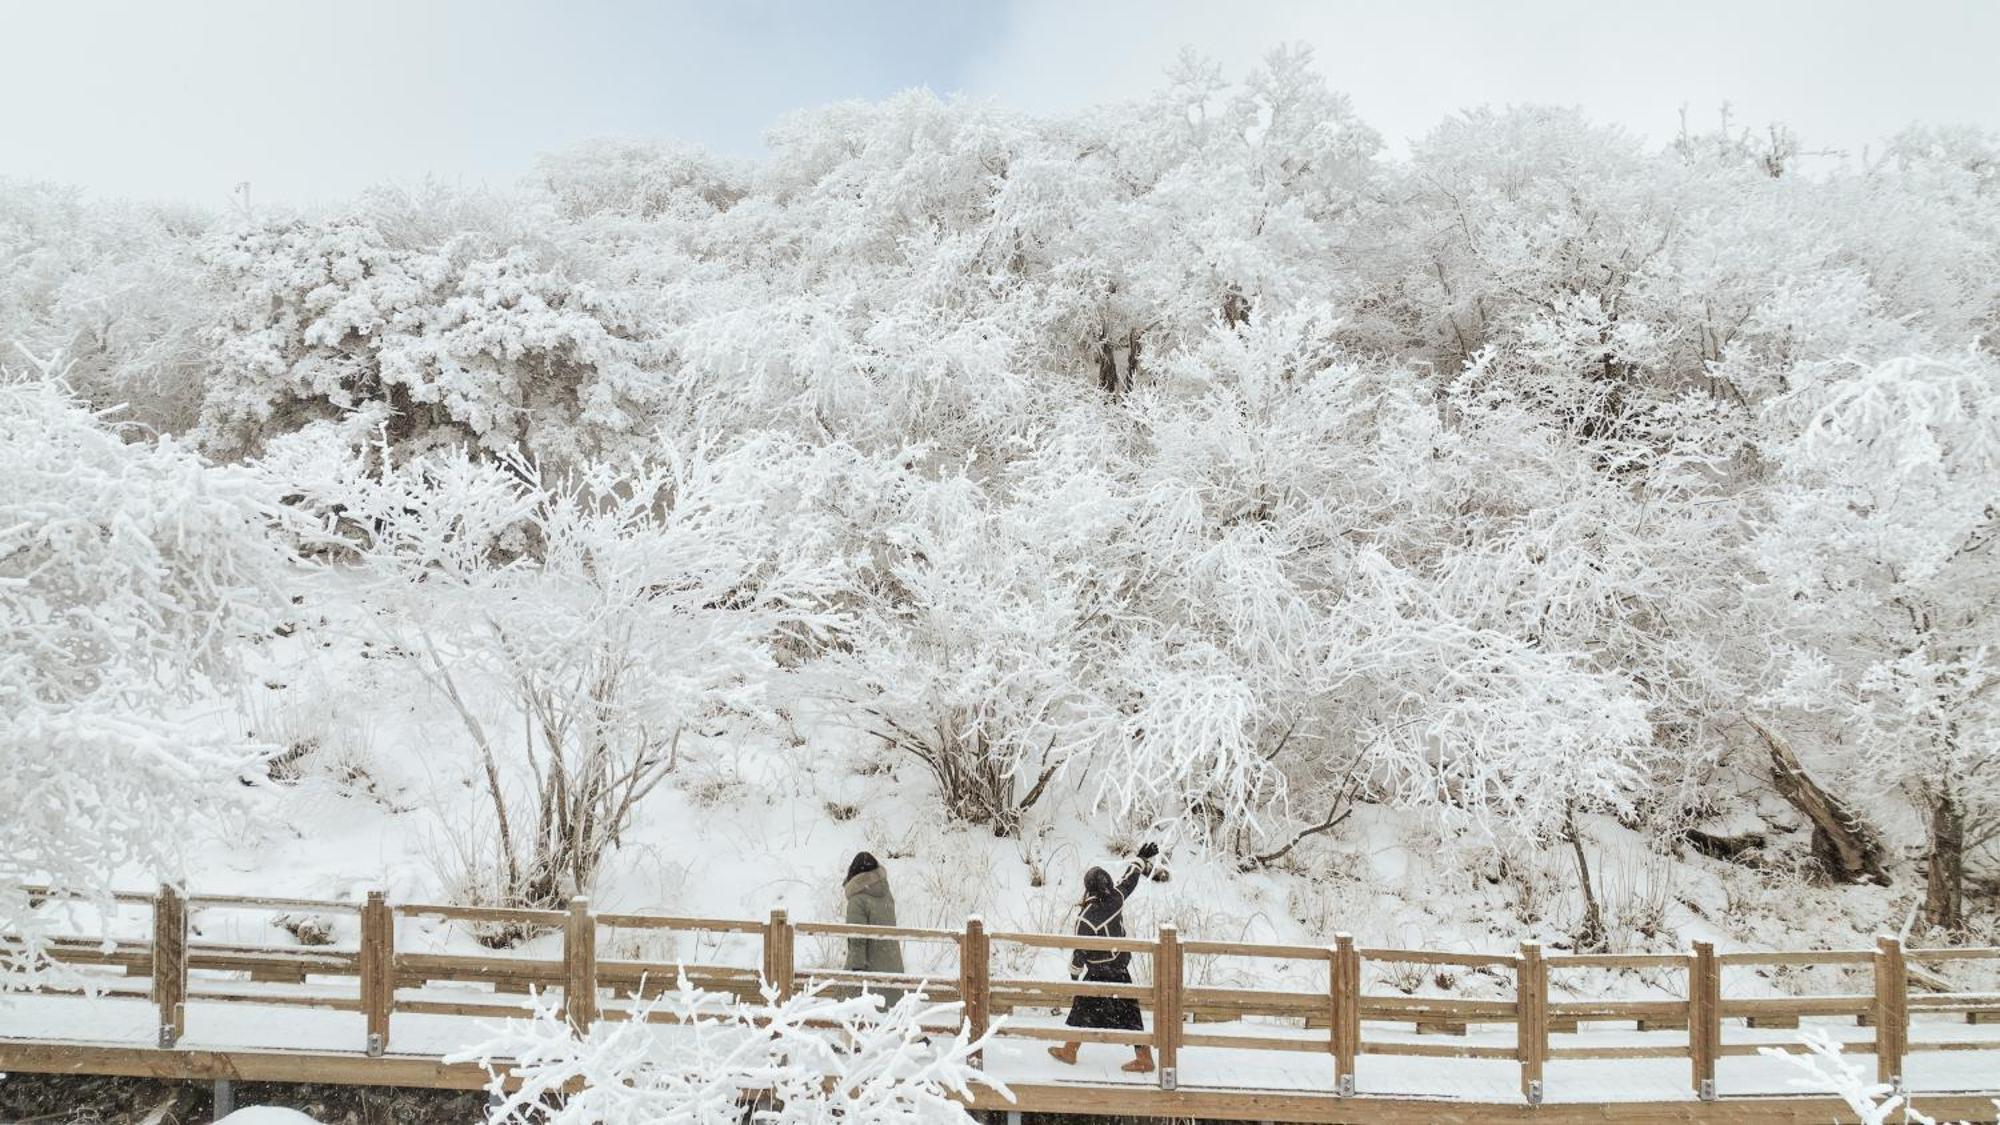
173,99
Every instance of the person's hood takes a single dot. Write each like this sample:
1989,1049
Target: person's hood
874,883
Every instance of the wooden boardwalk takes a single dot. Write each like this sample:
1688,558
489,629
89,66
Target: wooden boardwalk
1333,1052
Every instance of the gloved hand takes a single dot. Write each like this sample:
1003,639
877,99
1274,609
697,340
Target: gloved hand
1149,850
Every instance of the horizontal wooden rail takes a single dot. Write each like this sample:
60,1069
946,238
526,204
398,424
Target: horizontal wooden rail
1798,1006
1069,988
1254,1042
1433,957
1390,1007
279,999
1438,1051
1799,960
1071,941
1617,961
1978,953
1252,949
458,966
907,981
262,902
1608,1010
848,929
44,892
483,913
1618,1052
672,922
1952,1001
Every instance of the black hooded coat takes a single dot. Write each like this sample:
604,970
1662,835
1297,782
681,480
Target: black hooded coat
1103,916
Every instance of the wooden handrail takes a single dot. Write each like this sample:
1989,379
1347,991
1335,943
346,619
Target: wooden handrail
264,902
672,922
1808,958
549,918
166,959
1433,957
850,929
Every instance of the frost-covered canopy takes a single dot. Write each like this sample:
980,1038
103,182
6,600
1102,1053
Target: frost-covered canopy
1194,460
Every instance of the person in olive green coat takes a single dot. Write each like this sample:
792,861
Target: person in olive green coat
869,903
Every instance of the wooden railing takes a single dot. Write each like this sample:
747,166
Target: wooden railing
388,980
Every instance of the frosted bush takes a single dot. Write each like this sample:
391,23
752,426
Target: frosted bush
132,575
615,608
806,1059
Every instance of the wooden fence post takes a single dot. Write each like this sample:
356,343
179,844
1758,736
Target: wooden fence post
1704,1017
378,969
778,954
1344,983
1167,1005
975,972
1531,987
170,924
580,966
1892,1010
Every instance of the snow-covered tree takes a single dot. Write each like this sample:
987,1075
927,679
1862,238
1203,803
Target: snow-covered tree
110,291
131,576
1881,549
435,316
614,606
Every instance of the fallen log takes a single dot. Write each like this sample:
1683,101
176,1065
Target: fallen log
1842,843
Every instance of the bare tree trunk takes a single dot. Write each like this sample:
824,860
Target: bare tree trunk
1107,365
1845,846
1235,308
1593,936
1944,884
1133,343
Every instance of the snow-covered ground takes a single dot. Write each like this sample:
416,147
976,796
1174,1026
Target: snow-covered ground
213,1025
754,819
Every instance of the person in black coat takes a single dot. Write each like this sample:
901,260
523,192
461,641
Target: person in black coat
1102,915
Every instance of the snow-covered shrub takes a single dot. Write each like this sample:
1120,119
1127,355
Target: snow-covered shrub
131,574
975,656
112,288
431,316
611,607
709,1057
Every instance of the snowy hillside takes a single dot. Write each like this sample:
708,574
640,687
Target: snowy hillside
1533,536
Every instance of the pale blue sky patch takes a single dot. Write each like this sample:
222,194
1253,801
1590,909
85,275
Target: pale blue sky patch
313,101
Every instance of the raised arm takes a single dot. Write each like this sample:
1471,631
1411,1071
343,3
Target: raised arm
1134,871
1138,869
